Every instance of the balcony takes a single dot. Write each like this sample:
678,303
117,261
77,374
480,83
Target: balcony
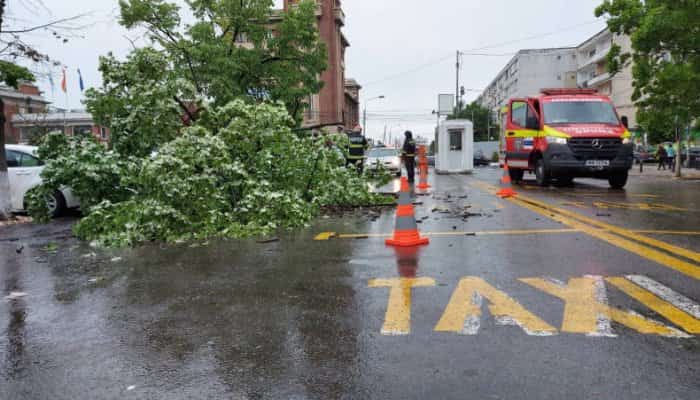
339,16
598,80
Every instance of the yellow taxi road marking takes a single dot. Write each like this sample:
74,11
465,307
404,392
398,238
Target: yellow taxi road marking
586,310
463,313
398,312
586,307
608,234
649,299
679,265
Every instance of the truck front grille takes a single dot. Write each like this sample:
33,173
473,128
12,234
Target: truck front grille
592,148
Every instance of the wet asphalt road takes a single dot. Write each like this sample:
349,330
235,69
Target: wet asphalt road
303,319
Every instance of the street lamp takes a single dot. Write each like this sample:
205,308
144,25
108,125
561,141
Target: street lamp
364,114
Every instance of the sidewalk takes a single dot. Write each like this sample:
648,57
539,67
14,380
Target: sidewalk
651,171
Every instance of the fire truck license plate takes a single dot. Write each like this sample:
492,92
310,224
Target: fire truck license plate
598,163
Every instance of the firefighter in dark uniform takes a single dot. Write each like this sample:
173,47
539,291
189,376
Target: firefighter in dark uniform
356,149
408,153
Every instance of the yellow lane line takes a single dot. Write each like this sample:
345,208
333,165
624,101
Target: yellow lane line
658,232
679,265
325,236
692,255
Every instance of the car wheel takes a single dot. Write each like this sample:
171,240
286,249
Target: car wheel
618,180
541,173
56,204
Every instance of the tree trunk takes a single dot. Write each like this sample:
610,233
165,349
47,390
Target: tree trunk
679,157
5,204
679,153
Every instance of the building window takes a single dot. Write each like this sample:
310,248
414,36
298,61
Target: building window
82,130
591,53
455,139
103,133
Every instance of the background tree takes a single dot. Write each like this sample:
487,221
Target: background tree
665,54
480,117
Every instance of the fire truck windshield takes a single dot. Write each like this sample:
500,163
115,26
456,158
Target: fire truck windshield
579,112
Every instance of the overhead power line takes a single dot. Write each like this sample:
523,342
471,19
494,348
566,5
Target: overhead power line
474,52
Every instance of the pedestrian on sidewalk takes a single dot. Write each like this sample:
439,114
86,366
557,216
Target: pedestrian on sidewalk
408,153
671,157
661,157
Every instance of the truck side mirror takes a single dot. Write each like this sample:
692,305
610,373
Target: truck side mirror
625,122
532,123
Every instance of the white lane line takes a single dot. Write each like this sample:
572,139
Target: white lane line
473,322
678,300
603,326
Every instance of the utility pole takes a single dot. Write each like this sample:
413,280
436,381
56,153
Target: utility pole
457,96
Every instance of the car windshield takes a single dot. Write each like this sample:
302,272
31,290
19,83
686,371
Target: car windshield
580,112
379,153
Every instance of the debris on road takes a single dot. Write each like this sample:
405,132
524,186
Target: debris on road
15,295
270,240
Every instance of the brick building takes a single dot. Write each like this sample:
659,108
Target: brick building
332,106
26,99
351,111
28,115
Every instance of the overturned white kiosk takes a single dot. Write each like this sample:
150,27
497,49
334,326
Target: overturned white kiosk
454,147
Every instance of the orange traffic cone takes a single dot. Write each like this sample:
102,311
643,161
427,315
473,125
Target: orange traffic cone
506,184
406,232
423,166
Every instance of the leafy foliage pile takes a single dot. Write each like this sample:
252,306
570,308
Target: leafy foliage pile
241,171
203,130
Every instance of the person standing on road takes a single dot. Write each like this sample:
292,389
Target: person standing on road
661,157
356,149
671,154
408,153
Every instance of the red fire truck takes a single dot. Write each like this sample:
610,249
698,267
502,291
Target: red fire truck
564,134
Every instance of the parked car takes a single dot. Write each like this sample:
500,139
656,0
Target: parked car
644,154
24,172
385,157
480,159
694,161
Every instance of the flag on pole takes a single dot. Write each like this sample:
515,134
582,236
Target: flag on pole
64,86
53,86
80,79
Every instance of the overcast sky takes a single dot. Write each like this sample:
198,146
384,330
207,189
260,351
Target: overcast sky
402,49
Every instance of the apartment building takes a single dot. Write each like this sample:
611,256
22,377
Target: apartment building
583,66
528,72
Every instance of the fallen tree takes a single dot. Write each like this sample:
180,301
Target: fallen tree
240,172
205,139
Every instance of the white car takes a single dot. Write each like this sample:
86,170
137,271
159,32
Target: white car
24,172
386,157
